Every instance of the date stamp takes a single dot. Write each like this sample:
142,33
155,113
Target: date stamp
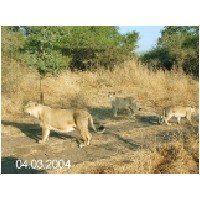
43,165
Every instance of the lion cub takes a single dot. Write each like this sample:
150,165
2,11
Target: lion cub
178,112
127,103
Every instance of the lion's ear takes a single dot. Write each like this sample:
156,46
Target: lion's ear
36,104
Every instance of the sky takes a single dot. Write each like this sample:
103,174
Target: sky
148,35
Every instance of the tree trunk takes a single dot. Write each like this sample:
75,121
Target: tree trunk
41,92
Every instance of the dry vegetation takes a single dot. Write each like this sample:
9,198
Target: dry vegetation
152,90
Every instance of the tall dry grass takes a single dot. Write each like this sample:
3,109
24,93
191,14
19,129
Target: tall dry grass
152,90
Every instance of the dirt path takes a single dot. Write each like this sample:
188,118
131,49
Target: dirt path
123,138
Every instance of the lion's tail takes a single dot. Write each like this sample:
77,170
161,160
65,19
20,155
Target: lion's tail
92,123
101,127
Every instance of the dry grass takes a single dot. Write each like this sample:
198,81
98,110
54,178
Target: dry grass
178,157
175,157
151,89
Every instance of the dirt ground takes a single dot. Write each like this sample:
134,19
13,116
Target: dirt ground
127,146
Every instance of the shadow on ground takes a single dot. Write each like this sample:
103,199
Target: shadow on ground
34,131
107,113
8,166
148,120
177,134
127,143
101,113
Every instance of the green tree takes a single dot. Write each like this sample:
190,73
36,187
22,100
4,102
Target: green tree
96,46
178,46
183,45
43,49
51,48
158,58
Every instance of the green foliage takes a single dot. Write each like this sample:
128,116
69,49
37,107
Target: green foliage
91,37
11,42
88,47
129,41
179,30
51,49
177,46
158,58
42,49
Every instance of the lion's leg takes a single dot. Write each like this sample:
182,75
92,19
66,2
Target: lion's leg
189,117
167,118
45,135
115,110
86,138
132,112
48,134
179,120
129,112
160,119
166,121
89,138
84,143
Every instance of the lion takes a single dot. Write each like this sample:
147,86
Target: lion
61,120
178,112
128,103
